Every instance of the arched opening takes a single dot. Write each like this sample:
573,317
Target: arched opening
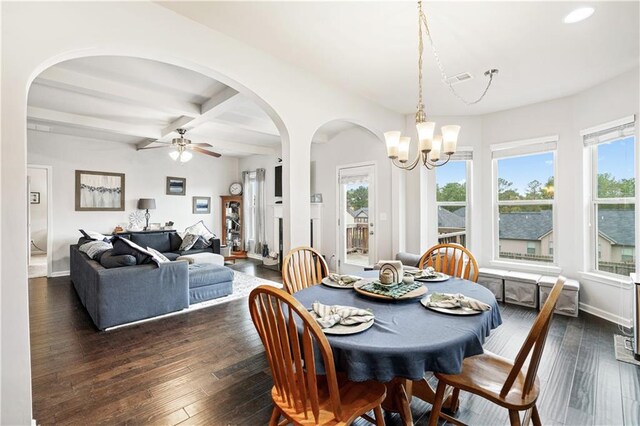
351,176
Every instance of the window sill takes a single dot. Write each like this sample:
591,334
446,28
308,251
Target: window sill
527,267
618,282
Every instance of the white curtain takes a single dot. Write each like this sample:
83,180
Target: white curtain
260,212
247,202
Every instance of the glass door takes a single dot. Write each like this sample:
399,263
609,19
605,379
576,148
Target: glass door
356,214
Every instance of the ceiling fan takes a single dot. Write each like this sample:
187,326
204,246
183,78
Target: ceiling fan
183,147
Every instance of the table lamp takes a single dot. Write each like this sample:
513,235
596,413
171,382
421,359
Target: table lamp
146,204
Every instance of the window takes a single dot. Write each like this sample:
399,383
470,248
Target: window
612,150
251,191
524,196
452,195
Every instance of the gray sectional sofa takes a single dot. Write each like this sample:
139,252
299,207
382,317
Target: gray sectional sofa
119,295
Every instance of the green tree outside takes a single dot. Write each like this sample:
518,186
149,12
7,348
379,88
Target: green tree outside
358,198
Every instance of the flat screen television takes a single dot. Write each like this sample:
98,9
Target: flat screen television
278,175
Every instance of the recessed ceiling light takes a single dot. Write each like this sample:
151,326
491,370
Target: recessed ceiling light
578,15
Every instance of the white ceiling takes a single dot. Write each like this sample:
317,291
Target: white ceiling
370,48
136,101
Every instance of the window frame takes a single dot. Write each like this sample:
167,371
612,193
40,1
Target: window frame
523,149
466,204
594,201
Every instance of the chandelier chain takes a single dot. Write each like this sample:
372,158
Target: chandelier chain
445,78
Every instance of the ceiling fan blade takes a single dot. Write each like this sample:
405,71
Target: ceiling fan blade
155,147
204,151
200,144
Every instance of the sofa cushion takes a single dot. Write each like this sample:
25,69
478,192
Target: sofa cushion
174,241
93,235
171,255
193,251
157,256
110,260
159,241
94,249
200,229
123,246
188,242
201,243
203,274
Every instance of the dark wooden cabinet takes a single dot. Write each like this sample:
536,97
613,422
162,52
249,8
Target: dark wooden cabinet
231,211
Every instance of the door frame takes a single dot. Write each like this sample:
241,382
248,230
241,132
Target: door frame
49,170
373,249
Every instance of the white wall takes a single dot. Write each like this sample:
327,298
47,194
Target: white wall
355,145
145,177
267,162
38,212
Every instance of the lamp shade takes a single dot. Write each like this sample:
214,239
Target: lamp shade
392,140
146,203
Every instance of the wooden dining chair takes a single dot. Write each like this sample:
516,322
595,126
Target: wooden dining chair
303,267
500,380
291,338
451,259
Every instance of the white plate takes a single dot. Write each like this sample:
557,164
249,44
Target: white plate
439,278
456,311
331,283
346,329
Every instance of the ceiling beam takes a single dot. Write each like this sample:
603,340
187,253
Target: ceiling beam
83,121
254,126
112,90
241,148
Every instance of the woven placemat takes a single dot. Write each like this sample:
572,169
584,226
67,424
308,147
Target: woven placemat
623,353
394,292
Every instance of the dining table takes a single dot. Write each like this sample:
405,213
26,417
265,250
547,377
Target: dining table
406,339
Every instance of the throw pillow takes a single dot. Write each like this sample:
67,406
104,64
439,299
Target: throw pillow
94,249
200,229
201,243
188,241
93,235
123,246
157,256
174,241
109,260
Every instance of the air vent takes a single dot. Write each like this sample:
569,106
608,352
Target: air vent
459,78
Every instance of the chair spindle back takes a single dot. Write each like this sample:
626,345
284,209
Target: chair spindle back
451,259
291,337
303,267
535,341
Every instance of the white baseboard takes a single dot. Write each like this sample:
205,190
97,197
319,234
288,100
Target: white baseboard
60,274
605,315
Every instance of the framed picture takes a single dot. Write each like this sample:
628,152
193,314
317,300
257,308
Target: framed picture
176,186
99,191
155,226
201,205
34,197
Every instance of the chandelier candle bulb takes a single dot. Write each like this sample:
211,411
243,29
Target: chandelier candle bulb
425,134
450,138
392,140
434,154
403,148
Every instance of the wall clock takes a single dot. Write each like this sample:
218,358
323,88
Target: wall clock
235,188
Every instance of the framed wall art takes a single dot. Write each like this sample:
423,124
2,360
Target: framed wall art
201,205
99,191
176,185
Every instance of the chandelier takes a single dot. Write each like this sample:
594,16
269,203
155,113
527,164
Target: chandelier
432,148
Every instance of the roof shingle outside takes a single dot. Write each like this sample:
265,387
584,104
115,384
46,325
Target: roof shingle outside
448,219
616,225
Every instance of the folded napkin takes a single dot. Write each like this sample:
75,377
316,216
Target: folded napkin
452,301
328,316
344,279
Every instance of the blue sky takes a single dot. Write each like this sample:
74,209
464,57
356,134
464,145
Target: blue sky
616,158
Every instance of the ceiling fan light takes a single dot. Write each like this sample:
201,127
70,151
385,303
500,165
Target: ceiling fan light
174,155
186,156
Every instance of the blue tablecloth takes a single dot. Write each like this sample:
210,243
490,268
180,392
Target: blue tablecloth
407,339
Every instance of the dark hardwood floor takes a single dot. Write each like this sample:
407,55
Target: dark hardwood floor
208,367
